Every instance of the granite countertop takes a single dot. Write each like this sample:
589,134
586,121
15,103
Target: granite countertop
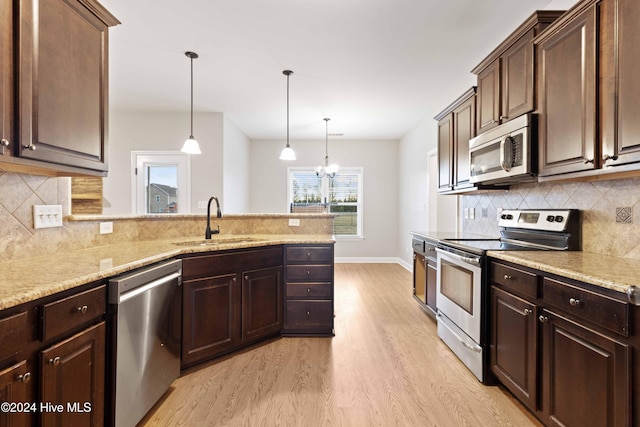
36,277
618,274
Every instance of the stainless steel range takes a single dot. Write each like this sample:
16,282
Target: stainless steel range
462,286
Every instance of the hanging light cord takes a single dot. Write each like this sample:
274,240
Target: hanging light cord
288,108
326,143
191,135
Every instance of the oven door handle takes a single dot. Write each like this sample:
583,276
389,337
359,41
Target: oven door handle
467,259
475,349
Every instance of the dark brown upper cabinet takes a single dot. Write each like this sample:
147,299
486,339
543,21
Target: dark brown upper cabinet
62,85
456,126
620,90
506,77
6,79
567,95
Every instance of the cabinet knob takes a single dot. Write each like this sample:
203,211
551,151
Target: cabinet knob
507,277
574,302
4,142
309,254
527,312
308,291
55,361
246,277
543,319
29,147
308,312
24,378
608,157
83,309
308,272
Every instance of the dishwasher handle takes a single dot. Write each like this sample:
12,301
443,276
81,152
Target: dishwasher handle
125,296
156,274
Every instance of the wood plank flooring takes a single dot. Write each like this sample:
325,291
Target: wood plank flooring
385,367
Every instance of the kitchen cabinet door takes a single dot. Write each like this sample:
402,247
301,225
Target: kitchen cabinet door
72,372
586,375
517,78
445,152
464,128
6,78
13,389
63,90
514,345
621,91
210,318
567,96
262,303
489,97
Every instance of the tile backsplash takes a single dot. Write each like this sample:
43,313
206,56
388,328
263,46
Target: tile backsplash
609,225
19,240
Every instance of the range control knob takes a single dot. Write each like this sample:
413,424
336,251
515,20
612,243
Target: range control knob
559,218
550,218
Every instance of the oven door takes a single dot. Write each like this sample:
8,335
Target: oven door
459,290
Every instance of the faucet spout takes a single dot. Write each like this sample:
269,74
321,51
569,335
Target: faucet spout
208,232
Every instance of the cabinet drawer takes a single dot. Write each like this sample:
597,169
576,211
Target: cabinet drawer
600,309
418,245
68,313
519,281
14,333
309,314
309,290
224,263
309,273
309,254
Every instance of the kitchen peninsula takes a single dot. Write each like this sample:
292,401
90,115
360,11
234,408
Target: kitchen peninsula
54,315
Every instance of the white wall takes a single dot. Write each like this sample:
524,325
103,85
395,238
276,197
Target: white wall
132,131
414,209
235,157
379,160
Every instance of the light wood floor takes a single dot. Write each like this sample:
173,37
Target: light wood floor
385,367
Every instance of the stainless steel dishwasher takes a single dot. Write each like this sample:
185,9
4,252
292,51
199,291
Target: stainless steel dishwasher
146,307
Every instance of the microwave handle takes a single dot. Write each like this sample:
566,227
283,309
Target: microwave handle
506,153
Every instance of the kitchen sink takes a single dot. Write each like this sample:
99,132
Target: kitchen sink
218,241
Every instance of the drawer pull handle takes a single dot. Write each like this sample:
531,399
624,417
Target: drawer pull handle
308,272
309,254
308,291
29,147
574,302
527,312
24,378
83,309
507,277
543,319
55,361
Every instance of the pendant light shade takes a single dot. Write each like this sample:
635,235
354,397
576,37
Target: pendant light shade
287,152
328,169
191,146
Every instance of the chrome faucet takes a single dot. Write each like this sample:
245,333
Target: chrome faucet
208,232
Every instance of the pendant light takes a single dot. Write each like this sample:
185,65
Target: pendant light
327,169
191,145
287,152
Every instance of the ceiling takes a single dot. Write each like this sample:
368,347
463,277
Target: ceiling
375,67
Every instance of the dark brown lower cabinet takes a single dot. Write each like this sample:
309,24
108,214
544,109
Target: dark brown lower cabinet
72,378
586,375
230,299
13,388
563,348
515,345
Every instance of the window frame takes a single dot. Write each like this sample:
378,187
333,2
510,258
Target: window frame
324,192
139,159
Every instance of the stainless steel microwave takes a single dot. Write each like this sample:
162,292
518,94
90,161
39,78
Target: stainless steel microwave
505,154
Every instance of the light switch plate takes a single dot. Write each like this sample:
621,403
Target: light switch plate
47,216
106,227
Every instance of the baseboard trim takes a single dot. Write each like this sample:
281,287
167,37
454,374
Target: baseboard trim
368,260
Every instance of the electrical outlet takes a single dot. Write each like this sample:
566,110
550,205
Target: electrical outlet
106,227
47,216
294,222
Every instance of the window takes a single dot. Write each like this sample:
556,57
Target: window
341,196
160,182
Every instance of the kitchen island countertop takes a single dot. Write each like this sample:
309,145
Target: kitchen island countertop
28,279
